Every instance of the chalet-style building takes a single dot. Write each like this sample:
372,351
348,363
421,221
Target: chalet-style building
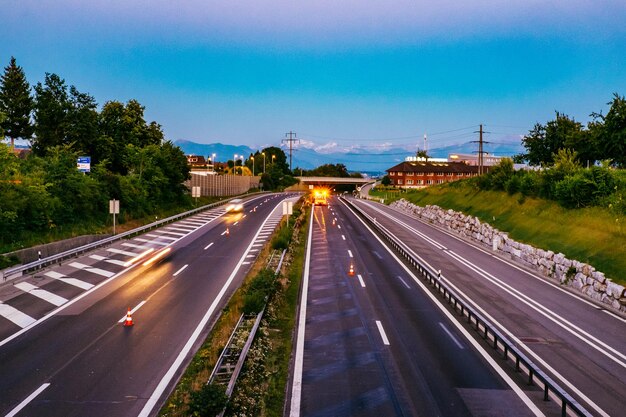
196,161
421,173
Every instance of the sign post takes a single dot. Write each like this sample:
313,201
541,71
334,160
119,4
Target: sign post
114,208
287,210
195,192
83,163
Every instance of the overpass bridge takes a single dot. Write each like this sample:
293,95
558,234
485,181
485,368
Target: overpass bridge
331,181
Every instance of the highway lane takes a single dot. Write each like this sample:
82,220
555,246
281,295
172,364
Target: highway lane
374,343
94,366
580,344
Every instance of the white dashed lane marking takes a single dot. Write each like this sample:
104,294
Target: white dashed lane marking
122,252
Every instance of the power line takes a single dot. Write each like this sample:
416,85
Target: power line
291,140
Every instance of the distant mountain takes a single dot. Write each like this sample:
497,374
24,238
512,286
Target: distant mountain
222,152
357,160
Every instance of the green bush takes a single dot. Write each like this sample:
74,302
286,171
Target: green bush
208,402
261,288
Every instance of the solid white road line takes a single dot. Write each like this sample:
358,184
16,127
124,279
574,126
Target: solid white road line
28,399
91,269
477,347
181,270
71,281
296,390
15,315
350,253
122,252
208,246
343,237
383,335
171,372
361,280
449,333
39,293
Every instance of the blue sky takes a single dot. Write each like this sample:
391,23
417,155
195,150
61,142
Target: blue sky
374,74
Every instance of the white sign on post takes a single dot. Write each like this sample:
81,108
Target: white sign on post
114,208
195,192
287,208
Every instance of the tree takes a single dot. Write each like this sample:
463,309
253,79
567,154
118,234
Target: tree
386,181
82,124
16,103
612,139
52,106
542,142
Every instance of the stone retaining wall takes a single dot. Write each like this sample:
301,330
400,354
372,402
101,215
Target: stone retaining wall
583,277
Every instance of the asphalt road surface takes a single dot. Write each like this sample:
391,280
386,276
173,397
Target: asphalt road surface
581,345
372,342
63,348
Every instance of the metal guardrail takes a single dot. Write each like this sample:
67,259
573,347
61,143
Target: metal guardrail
60,257
497,340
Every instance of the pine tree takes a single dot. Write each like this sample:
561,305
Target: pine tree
16,103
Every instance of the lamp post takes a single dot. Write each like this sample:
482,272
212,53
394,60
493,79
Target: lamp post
263,153
214,155
273,157
252,157
241,156
235,164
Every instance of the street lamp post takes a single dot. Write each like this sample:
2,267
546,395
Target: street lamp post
263,153
235,164
214,155
273,157
252,157
241,165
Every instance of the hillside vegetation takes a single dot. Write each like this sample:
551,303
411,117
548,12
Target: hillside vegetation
595,235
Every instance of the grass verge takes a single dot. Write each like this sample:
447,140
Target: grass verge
592,235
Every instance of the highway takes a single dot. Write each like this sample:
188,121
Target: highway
63,348
374,343
581,345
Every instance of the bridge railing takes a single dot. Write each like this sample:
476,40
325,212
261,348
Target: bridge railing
488,332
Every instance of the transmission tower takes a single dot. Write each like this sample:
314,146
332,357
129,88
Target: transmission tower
291,139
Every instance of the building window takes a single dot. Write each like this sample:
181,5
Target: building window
399,182
440,174
429,182
409,182
439,181
410,174
420,182
430,174
392,173
449,174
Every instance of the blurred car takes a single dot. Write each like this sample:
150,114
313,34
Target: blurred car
235,205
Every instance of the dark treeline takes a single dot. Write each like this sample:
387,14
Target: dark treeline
580,165
130,159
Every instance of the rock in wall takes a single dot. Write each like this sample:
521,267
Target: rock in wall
583,277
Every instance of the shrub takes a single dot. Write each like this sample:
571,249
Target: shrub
209,401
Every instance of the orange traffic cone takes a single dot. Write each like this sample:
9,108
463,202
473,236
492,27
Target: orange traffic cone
334,221
351,271
129,319
227,232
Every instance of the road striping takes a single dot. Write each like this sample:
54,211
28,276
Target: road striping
296,390
338,226
404,282
208,246
477,347
610,313
449,333
182,228
350,253
57,300
91,269
224,232
137,307
383,335
361,280
176,364
235,224
181,270
343,237
27,400
71,281
16,316
133,245
173,233
192,223
156,242
161,237
378,255
121,252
